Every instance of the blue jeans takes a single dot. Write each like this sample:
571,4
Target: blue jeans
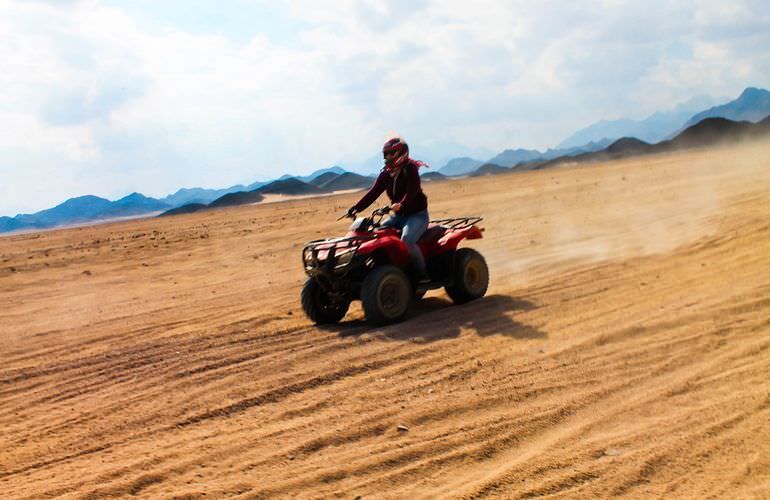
412,227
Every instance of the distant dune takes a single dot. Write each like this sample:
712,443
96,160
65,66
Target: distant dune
627,145
186,196
460,166
323,178
239,198
290,186
185,209
720,130
433,176
346,181
489,169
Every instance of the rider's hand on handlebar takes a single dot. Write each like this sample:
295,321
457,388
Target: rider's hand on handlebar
350,214
396,207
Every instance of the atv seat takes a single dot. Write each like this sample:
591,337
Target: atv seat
433,233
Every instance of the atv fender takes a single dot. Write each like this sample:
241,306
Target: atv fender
394,248
453,238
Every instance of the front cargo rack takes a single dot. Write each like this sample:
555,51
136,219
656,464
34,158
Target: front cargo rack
324,255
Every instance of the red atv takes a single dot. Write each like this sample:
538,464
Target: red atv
372,264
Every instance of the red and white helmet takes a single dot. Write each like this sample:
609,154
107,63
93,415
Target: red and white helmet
396,153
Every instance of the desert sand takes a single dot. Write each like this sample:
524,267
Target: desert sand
623,349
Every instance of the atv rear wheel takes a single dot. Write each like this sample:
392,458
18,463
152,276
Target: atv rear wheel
470,276
318,305
386,294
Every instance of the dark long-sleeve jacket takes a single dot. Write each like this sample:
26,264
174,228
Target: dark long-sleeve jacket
404,188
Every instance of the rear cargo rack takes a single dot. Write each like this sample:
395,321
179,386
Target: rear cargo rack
456,223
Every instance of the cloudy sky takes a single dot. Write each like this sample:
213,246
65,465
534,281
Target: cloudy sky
107,97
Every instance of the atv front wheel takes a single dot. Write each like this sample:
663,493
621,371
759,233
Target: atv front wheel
386,294
319,307
470,276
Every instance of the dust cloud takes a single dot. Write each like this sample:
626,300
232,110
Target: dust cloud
625,209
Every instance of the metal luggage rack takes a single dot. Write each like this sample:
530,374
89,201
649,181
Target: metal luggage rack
339,243
455,223
333,247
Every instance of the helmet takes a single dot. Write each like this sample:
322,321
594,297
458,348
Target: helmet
396,153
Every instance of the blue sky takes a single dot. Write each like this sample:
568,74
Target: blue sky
107,97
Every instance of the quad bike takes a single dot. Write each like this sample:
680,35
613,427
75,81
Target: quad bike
371,263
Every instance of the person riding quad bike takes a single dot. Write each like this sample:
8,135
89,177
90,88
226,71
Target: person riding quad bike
394,256
400,179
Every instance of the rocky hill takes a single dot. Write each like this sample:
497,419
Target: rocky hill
490,169
433,176
346,181
460,166
83,209
239,198
752,105
291,186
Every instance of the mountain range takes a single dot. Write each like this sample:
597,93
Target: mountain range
84,209
327,181
729,121
89,208
511,157
656,127
460,166
707,132
752,104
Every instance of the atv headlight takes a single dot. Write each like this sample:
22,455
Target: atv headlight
307,258
344,258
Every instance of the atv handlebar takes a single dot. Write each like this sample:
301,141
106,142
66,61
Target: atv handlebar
379,212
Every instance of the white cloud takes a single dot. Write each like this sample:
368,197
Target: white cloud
124,105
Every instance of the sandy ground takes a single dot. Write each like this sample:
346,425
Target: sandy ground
623,349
